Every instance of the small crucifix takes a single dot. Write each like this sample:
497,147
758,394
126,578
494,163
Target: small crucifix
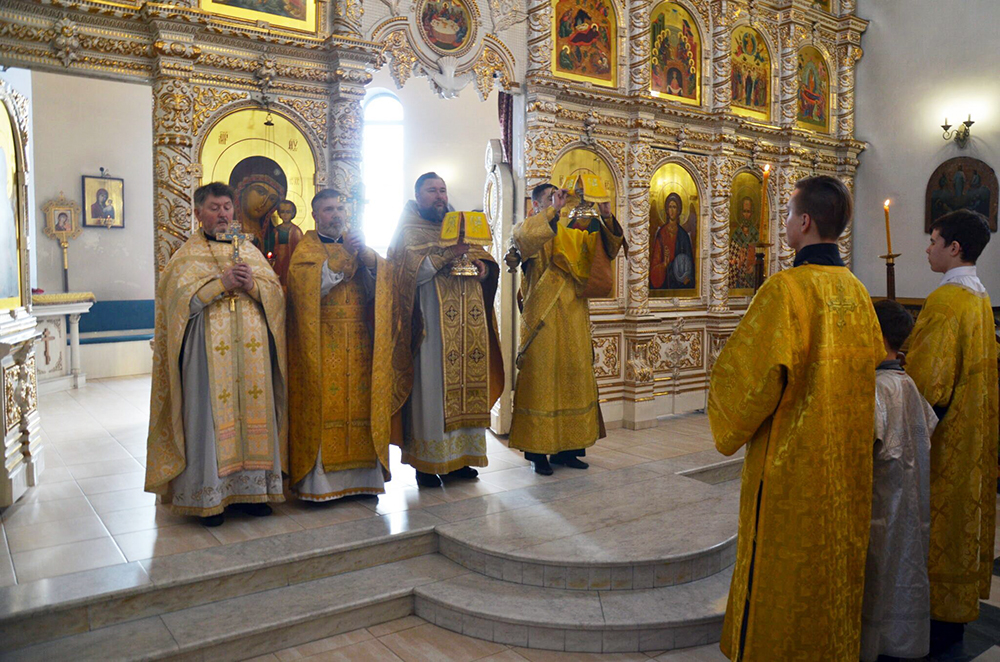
234,235
47,337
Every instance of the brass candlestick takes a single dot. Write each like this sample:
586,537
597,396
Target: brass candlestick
890,274
760,250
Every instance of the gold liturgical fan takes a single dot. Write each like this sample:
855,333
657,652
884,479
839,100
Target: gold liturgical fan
465,227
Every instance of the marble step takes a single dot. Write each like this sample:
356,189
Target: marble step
251,625
96,599
578,621
645,530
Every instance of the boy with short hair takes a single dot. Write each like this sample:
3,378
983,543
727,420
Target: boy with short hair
953,361
895,618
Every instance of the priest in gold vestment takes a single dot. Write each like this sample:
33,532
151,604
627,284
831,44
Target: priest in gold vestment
556,409
446,354
795,384
217,426
339,311
953,360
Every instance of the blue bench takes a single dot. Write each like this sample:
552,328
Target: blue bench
117,321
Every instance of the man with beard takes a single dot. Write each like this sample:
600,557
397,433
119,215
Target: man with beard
339,314
446,354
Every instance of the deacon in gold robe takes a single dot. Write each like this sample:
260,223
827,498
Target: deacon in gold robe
217,426
795,384
446,354
556,410
339,311
953,360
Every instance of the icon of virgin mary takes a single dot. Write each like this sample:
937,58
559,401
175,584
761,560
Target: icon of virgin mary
260,184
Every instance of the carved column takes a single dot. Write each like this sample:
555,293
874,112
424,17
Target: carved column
641,161
789,89
173,144
847,58
723,166
539,38
721,64
346,124
638,47
347,15
846,243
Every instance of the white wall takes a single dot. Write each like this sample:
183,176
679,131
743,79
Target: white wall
923,60
81,125
447,136
20,80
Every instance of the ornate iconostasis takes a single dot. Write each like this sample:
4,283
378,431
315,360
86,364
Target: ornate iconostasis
677,105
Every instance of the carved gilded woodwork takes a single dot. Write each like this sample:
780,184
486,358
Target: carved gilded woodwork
11,407
606,354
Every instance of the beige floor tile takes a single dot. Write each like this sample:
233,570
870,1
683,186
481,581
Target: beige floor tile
323,645
989,655
994,598
25,513
710,653
54,474
6,564
429,643
140,519
504,656
367,651
52,492
466,489
121,500
263,658
497,463
65,559
397,625
165,541
609,459
104,468
535,655
112,483
315,515
512,479
239,528
49,534
86,453
652,451
406,499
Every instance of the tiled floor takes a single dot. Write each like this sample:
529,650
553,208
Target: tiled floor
412,639
90,510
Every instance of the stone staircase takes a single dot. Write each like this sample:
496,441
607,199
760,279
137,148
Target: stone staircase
625,560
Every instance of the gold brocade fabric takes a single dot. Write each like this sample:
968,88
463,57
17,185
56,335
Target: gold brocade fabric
953,360
472,361
555,399
796,384
337,393
245,331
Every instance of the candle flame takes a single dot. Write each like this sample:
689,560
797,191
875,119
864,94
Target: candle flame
767,168
886,204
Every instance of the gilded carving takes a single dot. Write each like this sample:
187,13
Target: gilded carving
723,168
637,368
505,14
11,408
312,111
716,341
29,385
541,149
606,356
398,47
207,100
676,350
490,69
65,43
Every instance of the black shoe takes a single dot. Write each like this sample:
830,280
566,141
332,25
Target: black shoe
254,509
542,466
570,461
464,472
945,635
213,520
428,480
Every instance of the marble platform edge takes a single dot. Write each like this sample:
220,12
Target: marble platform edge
222,630
723,464
702,602
127,580
593,576
591,640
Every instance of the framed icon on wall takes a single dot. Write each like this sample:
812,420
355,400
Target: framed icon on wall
103,202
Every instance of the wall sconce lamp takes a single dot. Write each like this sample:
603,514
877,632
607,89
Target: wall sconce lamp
961,134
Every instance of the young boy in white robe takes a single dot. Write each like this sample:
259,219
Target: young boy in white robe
895,618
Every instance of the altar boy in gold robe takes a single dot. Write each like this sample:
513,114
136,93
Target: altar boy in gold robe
217,425
339,351
953,360
556,409
795,384
446,355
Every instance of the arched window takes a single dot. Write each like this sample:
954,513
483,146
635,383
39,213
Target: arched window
382,154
